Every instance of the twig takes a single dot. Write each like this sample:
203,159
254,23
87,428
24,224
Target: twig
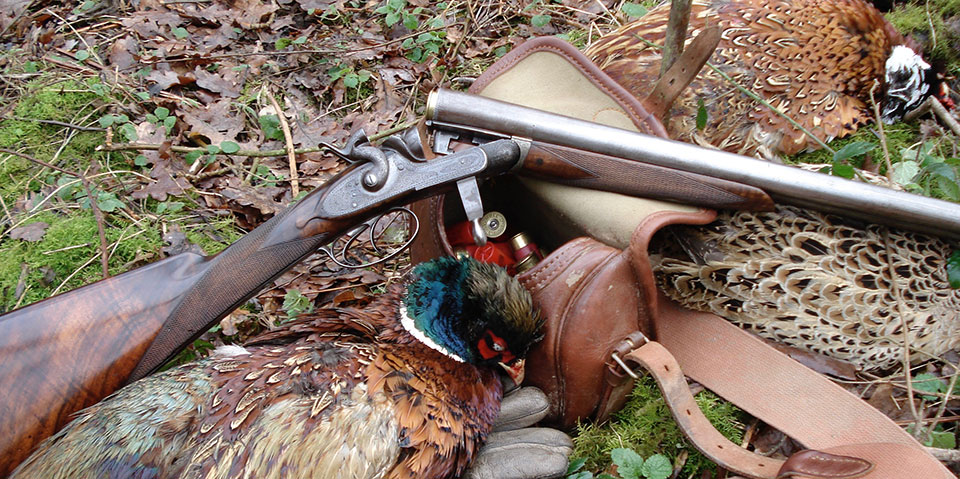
933,31
883,136
943,404
21,282
6,211
951,456
390,131
676,33
188,149
101,231
57,123
66,248
91,260
39,162
932,103
288,138
905,331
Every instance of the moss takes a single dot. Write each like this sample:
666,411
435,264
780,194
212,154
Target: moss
66,101
899,135
78,232
645,425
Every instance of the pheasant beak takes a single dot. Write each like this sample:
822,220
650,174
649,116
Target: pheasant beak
514,370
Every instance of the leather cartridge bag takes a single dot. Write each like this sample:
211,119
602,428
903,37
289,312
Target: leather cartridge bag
603,311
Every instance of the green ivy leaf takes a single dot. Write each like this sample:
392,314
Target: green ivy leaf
410,21
180,33
192,156
300,40
392,18
949,188
129,132
701,114
853,150
143,95
351,80
843,170
943,440
657,466
540,20
926,382
82,55
141,160
152,118
161,112
169,123
953,269
270,124
229,147
629,463
576,464
634,10
213,149
107,120
295,303
905,171
108,202
282,43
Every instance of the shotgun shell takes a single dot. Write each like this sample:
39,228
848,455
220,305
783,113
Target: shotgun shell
526,263
460,234
522,247
493,224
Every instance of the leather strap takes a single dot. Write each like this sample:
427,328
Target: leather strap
664,368
783,393
683,71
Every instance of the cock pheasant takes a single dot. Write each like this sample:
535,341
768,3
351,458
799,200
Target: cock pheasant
405,387
817,282
813,60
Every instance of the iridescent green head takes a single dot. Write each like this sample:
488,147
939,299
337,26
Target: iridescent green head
471,311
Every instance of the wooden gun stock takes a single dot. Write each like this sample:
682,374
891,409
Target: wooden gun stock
585,169
69,351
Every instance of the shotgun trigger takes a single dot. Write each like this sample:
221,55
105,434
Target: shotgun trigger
473,207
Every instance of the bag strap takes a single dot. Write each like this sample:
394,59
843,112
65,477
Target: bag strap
772,387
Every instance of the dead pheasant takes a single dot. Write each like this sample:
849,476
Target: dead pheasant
405,387
814,60
818,282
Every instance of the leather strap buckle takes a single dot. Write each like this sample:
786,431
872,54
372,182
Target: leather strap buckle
633,341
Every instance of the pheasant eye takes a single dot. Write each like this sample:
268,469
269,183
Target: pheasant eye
492,346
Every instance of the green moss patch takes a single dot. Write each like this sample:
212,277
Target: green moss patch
645,426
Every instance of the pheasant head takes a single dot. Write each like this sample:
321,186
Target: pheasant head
907,81
472,312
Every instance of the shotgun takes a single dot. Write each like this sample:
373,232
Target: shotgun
69,351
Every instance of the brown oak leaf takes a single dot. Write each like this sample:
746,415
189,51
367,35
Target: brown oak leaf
30,232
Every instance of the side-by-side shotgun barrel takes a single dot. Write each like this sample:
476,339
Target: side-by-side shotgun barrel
784,183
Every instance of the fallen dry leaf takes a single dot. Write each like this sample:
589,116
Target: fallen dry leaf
30,232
